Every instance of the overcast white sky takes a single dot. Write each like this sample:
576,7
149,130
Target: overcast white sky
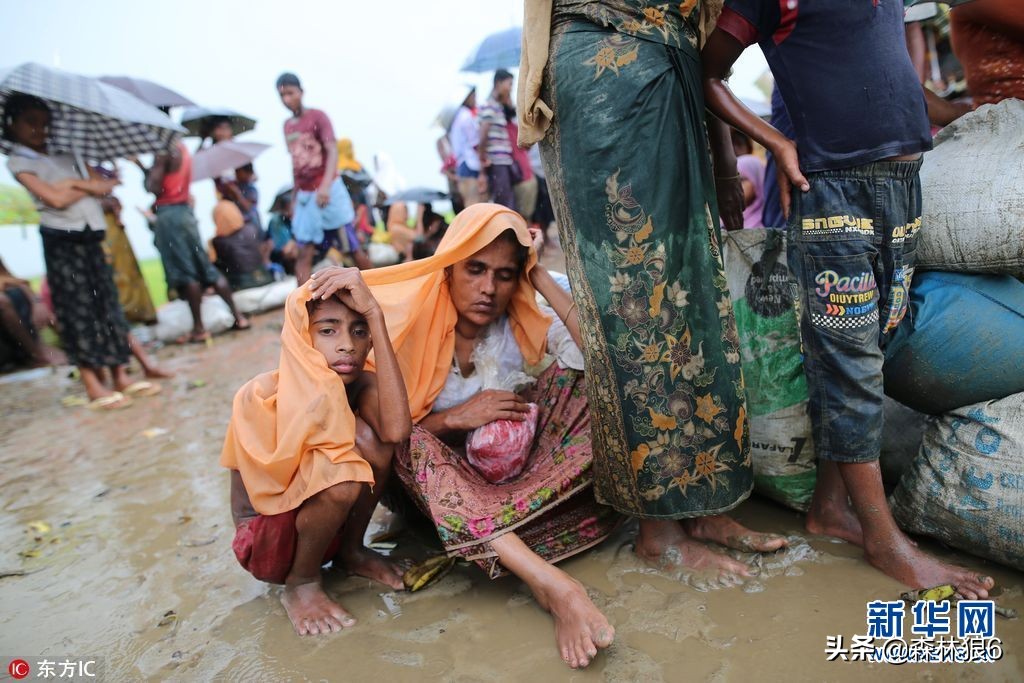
381,70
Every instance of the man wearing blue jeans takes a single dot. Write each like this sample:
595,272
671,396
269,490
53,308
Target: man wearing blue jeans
861,126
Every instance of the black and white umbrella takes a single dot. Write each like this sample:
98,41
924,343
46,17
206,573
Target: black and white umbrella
88,118
197,119
148,91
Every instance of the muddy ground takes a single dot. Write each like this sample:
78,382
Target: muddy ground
133,564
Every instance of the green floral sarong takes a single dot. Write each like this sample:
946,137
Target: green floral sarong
627,164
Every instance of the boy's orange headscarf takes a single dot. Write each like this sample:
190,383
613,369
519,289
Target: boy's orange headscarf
420,314
292,432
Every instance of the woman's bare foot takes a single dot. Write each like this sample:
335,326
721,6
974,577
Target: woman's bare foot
580,628
726,531
664,544
312,612
364,562
902,560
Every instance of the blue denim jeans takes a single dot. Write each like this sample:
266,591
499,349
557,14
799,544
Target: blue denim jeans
851,249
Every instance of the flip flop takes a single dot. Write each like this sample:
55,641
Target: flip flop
142,388
239,328
114,401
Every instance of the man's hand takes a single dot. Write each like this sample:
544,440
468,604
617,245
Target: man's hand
730,201
789,176
323,196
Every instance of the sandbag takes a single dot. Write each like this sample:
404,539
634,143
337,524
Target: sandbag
781,442
763,295
962,343
265,298
966,486
174,319
972,186
902,434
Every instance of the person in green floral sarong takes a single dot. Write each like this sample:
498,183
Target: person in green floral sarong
614,89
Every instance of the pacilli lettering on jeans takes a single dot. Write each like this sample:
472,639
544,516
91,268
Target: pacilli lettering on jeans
829,281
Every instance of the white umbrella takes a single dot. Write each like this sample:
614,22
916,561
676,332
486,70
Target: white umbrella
218,159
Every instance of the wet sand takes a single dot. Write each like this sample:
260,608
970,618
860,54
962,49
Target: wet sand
137,569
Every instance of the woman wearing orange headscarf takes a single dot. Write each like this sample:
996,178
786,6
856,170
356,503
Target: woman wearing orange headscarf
481,284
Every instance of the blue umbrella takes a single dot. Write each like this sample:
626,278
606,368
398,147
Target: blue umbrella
497,51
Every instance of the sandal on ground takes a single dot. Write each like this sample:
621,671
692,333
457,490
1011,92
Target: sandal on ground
114,401
142,388
241,328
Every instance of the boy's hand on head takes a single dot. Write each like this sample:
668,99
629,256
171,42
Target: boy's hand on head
789,174
348,285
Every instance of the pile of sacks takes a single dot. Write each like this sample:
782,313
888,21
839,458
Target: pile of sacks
954,437
174,319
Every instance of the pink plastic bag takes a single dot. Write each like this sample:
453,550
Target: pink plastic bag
498,450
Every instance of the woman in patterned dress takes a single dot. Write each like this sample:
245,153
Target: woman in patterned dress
612,90
481,282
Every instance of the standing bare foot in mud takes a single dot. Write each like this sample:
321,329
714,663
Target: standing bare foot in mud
726,531
370,564
831,513
580,628
888,549
665,544
311,611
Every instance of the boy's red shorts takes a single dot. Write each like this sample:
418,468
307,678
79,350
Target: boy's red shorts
265,545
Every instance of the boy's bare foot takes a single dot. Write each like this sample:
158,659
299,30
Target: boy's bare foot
312,612
364,562
664,544
834,518
580,628
901,559
726,531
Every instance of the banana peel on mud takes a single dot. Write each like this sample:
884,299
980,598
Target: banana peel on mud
948,592
424,573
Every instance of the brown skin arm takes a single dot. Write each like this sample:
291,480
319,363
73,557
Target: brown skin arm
718,56
241,506
383,402
64,193
727,187
163,163
323,195
482,146
559,299
942,112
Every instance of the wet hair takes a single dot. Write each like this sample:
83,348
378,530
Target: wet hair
522,253
16,105
313,305
288,78
501,75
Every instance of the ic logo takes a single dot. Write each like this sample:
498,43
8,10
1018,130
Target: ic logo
18,669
